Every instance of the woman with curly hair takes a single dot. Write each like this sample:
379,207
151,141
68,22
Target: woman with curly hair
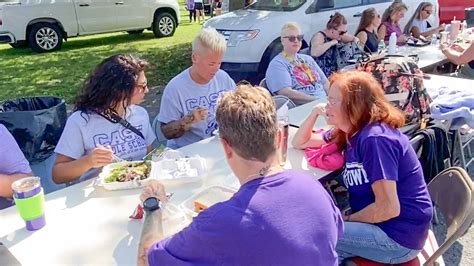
106,122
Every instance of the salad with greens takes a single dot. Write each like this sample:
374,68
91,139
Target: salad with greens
129,171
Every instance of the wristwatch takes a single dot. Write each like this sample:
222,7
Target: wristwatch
151,204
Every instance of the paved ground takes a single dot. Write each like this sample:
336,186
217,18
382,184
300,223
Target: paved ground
461,253
152,101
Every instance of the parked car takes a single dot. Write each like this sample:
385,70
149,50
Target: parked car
43,25
253,33
448,9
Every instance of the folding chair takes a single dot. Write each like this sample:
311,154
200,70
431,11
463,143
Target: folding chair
452,192
156,127
417,142
263,83
280,100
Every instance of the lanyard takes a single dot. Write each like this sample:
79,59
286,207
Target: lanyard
301,65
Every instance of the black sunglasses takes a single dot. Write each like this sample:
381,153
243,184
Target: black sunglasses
294,38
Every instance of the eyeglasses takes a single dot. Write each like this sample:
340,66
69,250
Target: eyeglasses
332,101
143,85
294,38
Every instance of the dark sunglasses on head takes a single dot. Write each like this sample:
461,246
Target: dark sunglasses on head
294,38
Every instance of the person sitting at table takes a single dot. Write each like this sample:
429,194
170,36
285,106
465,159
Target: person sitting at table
277,217
13,166
366,32
418,24
106,123
187,111
391,22
295,75
329,47
388,196
458,55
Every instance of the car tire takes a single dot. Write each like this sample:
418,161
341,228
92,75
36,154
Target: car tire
164,24
19,44
133,32
272,50
45,37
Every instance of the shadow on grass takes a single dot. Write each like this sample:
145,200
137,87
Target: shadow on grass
62,73
90,42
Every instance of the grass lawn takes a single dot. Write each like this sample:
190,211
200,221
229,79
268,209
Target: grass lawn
61,73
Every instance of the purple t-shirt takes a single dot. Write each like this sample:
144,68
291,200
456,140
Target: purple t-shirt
378,152
286,218
12,160
392,28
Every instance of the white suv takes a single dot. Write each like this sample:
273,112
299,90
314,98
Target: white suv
43,25
253,33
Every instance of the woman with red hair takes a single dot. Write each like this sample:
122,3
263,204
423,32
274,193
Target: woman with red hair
390,206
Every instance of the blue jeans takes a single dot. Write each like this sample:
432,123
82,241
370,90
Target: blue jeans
370,242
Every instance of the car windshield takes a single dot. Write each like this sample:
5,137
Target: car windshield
276,5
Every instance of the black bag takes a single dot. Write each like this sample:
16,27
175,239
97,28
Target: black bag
36,123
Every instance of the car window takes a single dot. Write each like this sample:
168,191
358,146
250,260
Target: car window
346,3
325,5
276,5
368,2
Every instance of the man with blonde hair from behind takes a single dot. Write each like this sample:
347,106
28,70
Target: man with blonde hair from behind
187,111
277,217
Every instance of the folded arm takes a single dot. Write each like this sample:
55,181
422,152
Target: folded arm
385,207
296,96
305,137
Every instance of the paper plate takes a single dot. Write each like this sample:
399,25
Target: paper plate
179,171
211,195
106,170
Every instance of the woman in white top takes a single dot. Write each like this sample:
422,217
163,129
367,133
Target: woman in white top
418,23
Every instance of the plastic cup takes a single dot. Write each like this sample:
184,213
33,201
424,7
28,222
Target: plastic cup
283,127
29,200
444,37
455,27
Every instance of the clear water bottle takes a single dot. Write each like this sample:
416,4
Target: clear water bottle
392,43
381,46
434,40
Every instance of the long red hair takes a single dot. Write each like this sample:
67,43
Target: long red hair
363,100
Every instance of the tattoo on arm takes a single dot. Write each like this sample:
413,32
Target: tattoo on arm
176,129
152,232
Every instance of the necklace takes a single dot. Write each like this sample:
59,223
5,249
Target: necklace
264,171
301,65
